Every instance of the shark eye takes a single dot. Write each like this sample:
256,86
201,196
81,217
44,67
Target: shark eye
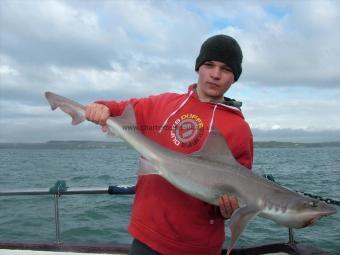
313,203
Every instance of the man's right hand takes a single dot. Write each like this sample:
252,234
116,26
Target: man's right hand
97,113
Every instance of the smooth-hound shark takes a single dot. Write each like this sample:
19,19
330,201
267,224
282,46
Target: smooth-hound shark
210,173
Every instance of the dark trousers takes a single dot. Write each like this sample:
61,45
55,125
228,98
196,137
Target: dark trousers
139,248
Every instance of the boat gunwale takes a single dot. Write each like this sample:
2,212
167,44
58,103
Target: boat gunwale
293,249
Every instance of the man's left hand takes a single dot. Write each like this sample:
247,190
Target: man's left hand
228,204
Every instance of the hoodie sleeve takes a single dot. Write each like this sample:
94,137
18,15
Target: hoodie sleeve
141,107
246,154
243,147
116,108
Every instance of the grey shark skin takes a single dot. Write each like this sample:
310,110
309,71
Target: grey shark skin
209,174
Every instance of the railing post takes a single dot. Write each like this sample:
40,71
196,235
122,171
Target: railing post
291,236
57,190
56,219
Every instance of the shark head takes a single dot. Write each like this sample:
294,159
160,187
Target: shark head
306,211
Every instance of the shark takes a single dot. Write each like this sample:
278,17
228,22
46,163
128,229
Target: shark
210,173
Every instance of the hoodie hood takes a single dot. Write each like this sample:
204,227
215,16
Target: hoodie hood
228,104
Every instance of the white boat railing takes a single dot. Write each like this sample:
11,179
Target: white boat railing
60,188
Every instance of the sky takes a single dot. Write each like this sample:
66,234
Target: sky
119,49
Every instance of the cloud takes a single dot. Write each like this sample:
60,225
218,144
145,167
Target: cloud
90,50
285,43
50,32
290,108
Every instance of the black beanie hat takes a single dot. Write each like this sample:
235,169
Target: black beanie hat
222,48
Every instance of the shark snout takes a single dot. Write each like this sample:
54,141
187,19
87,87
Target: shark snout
319,210
326,209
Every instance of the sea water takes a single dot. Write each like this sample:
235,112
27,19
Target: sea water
103,219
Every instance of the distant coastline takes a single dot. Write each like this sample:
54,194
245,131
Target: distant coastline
102,144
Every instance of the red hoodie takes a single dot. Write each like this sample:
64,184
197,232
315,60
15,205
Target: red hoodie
163,217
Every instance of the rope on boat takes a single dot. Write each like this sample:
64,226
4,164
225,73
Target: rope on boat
327,200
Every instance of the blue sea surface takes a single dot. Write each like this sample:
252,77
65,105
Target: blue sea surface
104,218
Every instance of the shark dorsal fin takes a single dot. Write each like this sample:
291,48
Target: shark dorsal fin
215,148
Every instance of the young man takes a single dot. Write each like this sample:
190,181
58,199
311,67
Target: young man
164,219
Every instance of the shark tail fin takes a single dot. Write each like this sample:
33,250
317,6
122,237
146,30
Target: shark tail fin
74,109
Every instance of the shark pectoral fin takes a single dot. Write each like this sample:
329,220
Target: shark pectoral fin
239,221
146,167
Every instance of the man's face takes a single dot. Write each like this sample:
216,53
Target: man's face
214,79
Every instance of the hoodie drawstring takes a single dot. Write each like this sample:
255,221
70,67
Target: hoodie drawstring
212,118
174,112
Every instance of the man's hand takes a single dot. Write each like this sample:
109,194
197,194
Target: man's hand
98,114
228,204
